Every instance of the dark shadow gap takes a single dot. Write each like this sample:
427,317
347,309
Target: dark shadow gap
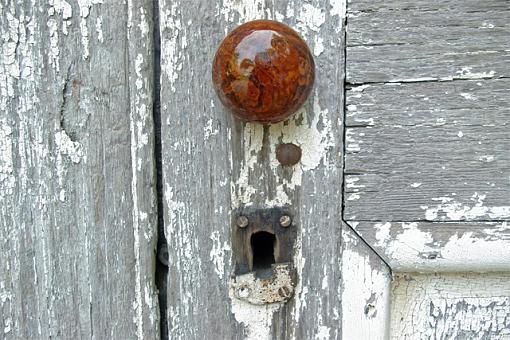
263,246
162,250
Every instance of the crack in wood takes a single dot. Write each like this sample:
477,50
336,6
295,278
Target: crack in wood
161,269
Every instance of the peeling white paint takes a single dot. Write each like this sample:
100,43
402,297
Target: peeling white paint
338,7
451,306
66,146
408,245
366,288
241,189
468,96
7,179
318,47
382,235
310,18
353,196
99,30
256,319
171,52
314,137
351,183
448,209
466,73
351,144
209,130
487,158
243,11
218,253
301,289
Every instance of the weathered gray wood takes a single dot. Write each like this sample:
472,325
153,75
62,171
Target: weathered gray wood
424,40
428,151
213,164
451,306
77,206
427,135
366,282
439,246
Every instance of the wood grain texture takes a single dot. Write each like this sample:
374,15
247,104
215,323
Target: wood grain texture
428,151
427,132
366,282
423,40
451,306
213,164
77,206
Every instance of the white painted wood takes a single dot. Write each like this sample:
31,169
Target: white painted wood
451,306
366,281
434,247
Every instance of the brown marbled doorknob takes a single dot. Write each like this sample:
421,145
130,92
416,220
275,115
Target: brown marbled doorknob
263,71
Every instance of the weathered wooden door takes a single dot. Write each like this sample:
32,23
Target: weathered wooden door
122,176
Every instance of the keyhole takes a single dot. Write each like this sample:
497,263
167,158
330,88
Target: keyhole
262,246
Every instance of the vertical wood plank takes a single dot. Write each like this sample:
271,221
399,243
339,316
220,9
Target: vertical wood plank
213,164
366,282
77,206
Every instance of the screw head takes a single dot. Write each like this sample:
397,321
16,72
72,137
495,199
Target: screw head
242,221
285,221
284,292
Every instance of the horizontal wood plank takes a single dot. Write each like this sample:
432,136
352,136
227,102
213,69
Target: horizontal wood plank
428,151
439,246
451,306
422,40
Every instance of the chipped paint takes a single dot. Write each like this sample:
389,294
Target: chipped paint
448,209
451,306
171,51
468,96
314,137
318,46
68,147
219,252
235,11
383,234
7,179
351,144
365,287
338,7
467,73
257,320
310,18
301,290
416,247
209,131
99,30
